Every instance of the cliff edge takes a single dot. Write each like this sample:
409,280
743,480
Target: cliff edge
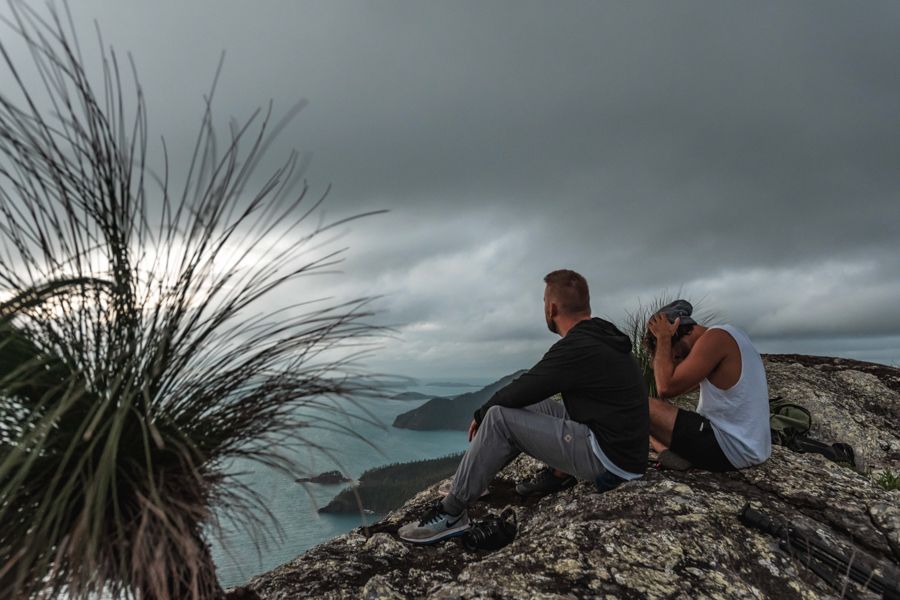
669,535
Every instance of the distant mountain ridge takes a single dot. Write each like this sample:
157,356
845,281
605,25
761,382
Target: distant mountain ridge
450,413
410,396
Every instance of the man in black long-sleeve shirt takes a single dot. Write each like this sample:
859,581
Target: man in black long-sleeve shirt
598,432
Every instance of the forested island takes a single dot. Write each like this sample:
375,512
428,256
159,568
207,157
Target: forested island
450,413
383,489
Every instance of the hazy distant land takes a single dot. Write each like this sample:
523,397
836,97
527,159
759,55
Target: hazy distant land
410,396
450,413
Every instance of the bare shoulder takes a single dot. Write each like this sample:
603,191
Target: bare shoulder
727,353
718,341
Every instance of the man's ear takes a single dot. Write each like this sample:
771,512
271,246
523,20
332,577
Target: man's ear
554,310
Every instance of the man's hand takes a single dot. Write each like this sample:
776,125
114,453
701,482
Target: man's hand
660,327
473,429
663,365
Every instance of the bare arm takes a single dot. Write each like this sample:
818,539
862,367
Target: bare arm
705,356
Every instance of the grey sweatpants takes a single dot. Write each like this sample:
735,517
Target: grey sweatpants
543,430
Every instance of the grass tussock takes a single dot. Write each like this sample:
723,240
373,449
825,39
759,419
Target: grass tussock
888,480
136,359
635,327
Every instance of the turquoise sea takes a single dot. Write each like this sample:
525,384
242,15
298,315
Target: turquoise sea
294,504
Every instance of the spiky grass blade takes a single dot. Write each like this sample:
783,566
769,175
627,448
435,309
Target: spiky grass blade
138,358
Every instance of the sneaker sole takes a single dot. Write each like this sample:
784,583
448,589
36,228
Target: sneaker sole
444,535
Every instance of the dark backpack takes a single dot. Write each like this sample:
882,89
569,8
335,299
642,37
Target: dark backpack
790,424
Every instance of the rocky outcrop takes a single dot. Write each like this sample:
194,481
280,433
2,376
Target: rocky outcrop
326,478
669,535
851,401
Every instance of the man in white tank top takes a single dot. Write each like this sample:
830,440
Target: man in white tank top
730,429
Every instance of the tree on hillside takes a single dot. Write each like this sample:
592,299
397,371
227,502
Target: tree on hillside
135,360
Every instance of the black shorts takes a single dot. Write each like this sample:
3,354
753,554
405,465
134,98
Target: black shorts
693,439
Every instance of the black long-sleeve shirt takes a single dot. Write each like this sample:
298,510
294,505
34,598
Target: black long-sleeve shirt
601,385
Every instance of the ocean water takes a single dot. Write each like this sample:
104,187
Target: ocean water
294,505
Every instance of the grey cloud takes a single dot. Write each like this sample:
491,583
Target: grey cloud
747,153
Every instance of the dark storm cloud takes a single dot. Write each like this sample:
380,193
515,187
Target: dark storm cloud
743,152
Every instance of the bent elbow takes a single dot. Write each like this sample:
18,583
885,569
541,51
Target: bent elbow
673,391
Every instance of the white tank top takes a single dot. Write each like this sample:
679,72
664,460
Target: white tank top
740,414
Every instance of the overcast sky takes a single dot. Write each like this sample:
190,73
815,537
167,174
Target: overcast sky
745,153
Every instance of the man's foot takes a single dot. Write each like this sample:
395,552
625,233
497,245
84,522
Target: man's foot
670,460
545,482
434,526
444,489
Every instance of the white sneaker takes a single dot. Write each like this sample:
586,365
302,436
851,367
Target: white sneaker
434,526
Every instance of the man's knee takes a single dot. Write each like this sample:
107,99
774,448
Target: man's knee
497,419
493,414
495,426
662,420
661,409
549,406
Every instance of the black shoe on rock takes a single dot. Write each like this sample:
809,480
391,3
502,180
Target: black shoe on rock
545,482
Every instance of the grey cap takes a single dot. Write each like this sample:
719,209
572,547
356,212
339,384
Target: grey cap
680,309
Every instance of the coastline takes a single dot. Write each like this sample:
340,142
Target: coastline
296,505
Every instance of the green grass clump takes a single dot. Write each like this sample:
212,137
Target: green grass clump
888,480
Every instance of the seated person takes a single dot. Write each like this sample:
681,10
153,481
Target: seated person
730,429
598,432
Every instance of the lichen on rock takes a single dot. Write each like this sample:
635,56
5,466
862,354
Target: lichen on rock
670,534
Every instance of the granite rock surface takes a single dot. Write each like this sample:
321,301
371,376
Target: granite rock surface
672,534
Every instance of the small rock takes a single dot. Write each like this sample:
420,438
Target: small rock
378,588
